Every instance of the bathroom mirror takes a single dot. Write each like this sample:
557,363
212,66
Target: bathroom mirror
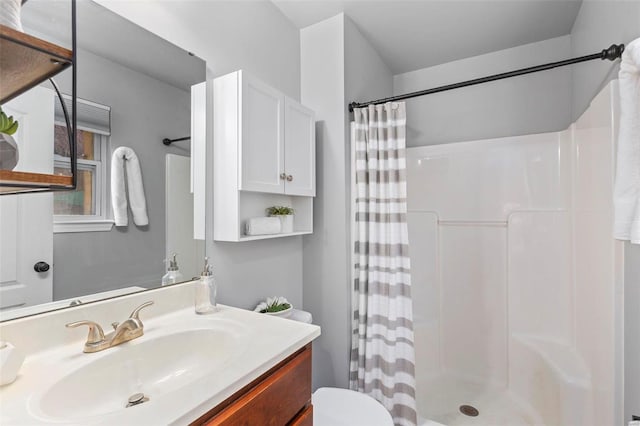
133,91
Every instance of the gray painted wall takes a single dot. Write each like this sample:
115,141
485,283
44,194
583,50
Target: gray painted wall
231,35
338,65
326,291
598,25
541,102
367,76
533,103
144,111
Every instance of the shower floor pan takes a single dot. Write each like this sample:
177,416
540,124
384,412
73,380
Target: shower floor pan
439,400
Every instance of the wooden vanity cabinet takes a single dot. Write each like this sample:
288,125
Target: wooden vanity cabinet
280,397
305,418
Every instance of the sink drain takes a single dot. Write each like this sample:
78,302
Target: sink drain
469,410
137,399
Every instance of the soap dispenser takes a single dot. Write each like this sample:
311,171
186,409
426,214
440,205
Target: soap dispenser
205,302
173,274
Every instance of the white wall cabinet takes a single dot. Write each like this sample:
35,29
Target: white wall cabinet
264,155
277,140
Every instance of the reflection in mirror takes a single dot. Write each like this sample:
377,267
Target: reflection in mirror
133,91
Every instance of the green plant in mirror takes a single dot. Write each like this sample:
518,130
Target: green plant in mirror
8,125
279,211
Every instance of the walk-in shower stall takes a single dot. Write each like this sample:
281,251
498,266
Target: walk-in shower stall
516,279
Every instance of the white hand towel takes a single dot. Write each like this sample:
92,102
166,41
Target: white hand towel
627,186
263,226
125,157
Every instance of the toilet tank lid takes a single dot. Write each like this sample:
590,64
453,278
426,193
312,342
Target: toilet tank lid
342,407
302,316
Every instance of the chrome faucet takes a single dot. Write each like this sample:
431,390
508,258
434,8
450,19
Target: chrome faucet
130,329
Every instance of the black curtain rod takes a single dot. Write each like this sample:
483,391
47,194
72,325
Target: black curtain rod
612,53
168,141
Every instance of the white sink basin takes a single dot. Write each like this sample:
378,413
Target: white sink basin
184,363
154,366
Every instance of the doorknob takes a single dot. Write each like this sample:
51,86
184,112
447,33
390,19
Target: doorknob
289,178
41,267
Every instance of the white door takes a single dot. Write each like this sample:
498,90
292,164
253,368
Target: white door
179,218
261,137
299,149
26,220
198,158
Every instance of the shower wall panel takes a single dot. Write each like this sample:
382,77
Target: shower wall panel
540,264
460,197
594,251
474,290
487,180
423,240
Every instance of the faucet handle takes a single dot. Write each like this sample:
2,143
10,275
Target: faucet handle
96,335
136,311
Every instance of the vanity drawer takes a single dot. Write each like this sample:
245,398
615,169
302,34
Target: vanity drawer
305,418
281,396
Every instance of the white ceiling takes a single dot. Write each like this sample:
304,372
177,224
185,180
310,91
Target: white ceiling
414,34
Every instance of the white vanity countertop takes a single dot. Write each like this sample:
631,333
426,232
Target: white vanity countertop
185,363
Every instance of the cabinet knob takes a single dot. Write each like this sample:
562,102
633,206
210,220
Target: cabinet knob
283,176
289,178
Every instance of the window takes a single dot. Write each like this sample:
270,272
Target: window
86,208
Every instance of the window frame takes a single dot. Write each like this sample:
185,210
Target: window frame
102,220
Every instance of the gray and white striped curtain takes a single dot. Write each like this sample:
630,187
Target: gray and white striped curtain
382,353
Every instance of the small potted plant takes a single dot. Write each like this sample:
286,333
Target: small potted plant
285,214
8,145
277,305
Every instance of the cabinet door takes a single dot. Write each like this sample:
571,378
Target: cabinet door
300,149
261,137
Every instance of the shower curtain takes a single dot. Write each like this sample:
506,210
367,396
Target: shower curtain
382,353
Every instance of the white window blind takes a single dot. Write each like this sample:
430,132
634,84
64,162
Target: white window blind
90,116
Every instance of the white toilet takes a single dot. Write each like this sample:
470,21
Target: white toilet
343,407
